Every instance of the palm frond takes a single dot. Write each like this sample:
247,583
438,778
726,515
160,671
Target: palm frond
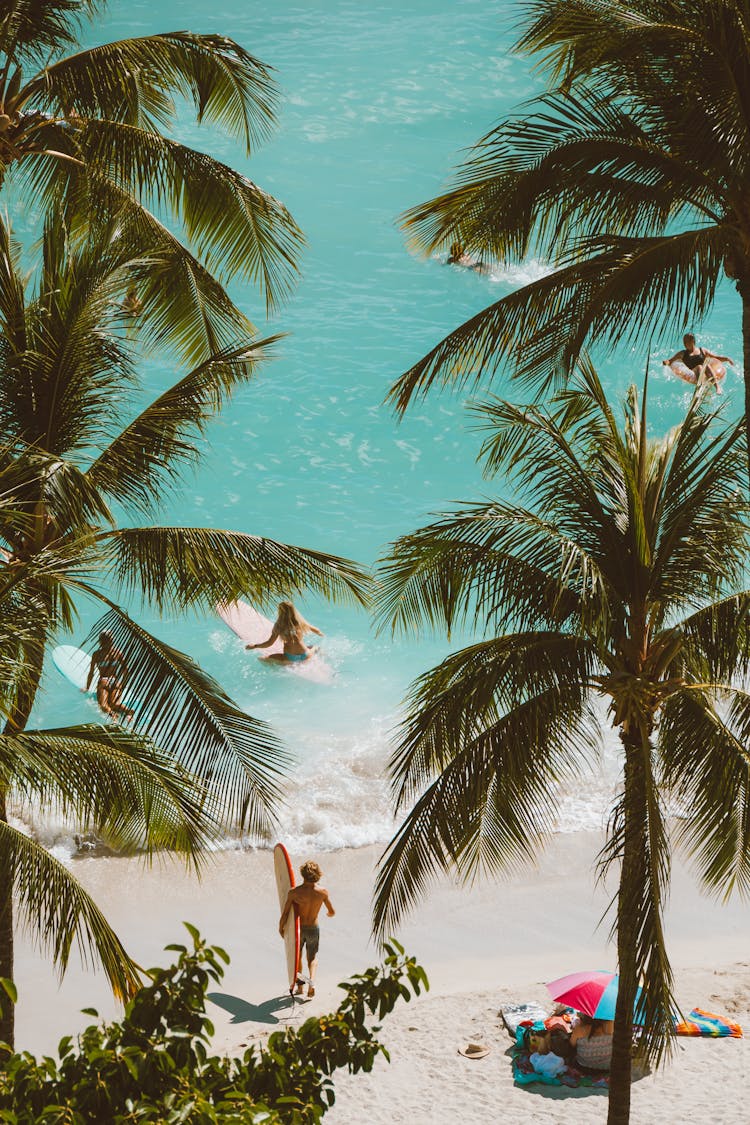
706,765
184,307
150,452
540,330
234,225
492,566
132,81
703,511
187,714
179,567
717,641
114,782
451,704
574,162
58,913
30,31
489,806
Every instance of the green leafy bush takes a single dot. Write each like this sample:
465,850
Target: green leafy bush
154,1064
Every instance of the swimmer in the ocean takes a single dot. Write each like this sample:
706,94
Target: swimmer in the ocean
697,365
457,257
290,627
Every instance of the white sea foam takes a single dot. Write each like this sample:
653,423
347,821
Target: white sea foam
522,274
338,795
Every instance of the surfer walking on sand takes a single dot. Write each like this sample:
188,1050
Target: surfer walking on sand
291,627
307,898
697,365
110,663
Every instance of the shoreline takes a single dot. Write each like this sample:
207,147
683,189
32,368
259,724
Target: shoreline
529,928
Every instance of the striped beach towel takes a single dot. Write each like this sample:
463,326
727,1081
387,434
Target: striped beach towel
707,1023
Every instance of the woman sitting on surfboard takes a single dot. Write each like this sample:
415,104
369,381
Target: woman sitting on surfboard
696,365
112,673
290,627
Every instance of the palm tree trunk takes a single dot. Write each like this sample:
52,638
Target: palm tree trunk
632,875
743,287
17,720
7,1010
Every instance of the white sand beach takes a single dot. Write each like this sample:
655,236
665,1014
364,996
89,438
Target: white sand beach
482,947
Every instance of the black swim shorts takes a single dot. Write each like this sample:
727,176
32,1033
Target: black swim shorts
310,937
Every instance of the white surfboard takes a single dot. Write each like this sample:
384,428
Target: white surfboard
73,663
284,872
253,628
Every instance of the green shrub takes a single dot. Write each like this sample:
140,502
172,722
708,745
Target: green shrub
154,1064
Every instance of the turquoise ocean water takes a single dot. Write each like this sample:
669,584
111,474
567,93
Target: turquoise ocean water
378,102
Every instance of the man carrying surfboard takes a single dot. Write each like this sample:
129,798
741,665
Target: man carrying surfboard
307,897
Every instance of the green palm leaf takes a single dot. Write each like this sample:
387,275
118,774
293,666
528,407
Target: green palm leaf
707,769
489,559
233,224
189,566
150,452
132,80
491,804
449,706
58,913
111,781
186,713
717,640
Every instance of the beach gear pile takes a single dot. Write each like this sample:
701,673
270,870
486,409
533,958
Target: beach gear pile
528,1025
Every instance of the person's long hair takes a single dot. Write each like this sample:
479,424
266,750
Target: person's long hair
290,624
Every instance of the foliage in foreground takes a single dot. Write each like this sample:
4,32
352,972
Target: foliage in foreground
154,1064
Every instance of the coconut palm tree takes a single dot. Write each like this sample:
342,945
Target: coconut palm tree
618,577
77,451
87,135
630,177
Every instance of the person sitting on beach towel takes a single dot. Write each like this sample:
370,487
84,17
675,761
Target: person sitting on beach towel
592,1040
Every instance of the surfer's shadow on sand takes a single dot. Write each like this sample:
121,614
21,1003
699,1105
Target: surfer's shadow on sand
242,1011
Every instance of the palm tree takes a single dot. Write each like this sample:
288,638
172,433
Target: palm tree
617,579
631,177
85,135
72,451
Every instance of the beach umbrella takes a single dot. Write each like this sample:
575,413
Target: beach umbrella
593,992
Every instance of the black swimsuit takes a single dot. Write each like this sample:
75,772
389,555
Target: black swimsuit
693,361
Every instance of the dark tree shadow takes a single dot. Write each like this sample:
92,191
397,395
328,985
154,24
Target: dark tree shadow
242,1011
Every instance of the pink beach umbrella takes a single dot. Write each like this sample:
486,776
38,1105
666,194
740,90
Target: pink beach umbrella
593,992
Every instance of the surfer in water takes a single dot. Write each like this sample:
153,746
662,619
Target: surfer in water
308,898
291,628
113,671
697,365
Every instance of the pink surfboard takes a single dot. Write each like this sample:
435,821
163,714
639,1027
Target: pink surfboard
249,625
253,628
284,872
